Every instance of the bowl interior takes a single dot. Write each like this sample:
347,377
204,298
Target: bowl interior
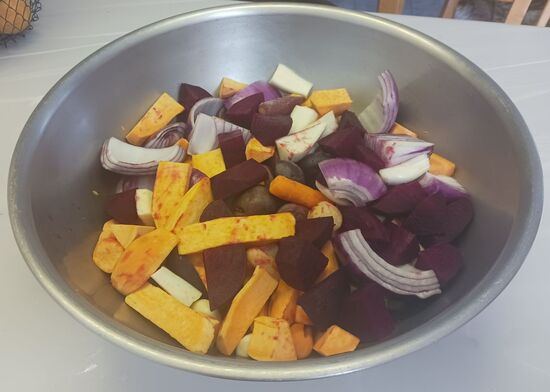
442,98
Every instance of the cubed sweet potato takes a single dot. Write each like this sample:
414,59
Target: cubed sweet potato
125,234
334,341
108,249
332,265
157,117
283,302
210,163
141,259
337,100
257,151
264,256
245,306
271,340
399,129
301,316
193,204
228,87
191,329
441,166
302,336
171,185
235,230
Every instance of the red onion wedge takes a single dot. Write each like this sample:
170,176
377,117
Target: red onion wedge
135,182
447,186
379,116
351,180
259,86
209,106
204,135
407,171
168,136
356,253
123,158
394,150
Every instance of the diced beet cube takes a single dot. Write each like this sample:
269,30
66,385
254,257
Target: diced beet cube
181,266
188,95
299,262
459,214
241,113
268,128
444,259
402,247
233,148
364,314
122,207
428,217
237,179
343,142
214,210
364,154
282,105
322,303
350,120
400,199
317,230
225,269
361,218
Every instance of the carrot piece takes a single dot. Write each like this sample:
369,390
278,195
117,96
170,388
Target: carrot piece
334,341
302,337
301,316
332,265
399,129
441,166
295,192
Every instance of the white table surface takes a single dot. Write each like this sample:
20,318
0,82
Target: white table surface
506,348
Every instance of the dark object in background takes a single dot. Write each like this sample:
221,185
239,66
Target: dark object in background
16,17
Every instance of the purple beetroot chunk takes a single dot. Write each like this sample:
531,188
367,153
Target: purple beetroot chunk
233,148
363,219
214,210
428,217
317,231
299,262
364,314
343,142
241,113
188,95
349,120
402,247
364,154
444,259
122,207
225,269
400,199
323,302
181,266
238,178
459,214
282,105
268,128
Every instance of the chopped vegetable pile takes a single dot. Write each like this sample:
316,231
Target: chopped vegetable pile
271,222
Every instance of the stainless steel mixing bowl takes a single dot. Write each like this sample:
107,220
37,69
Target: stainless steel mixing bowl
56,217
